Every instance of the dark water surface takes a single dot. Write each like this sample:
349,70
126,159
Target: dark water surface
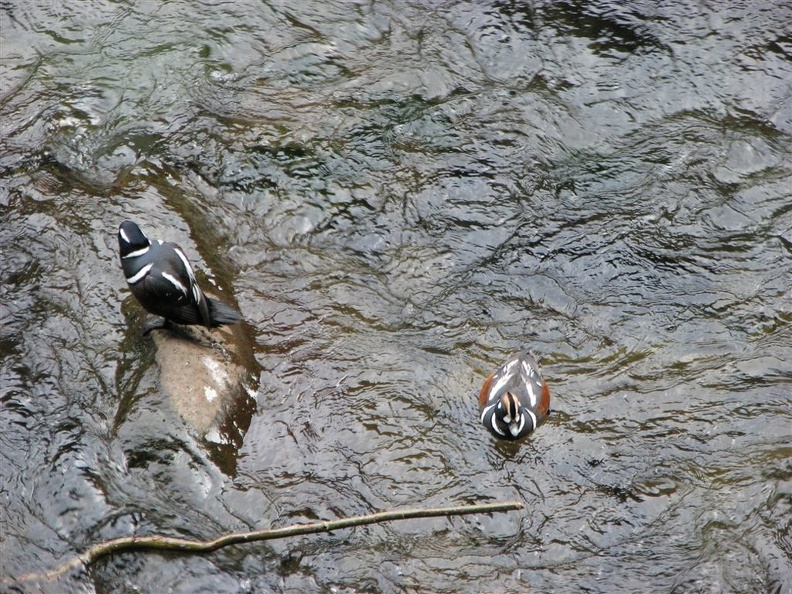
397,195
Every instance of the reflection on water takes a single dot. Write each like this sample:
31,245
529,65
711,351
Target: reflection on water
398,196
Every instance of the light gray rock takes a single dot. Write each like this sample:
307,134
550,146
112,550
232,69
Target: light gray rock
210,379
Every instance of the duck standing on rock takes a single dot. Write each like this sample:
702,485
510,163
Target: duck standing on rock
162,280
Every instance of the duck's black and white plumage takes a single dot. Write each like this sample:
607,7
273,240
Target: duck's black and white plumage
162,280
515,399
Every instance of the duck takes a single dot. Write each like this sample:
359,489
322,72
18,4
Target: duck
162,280
515,398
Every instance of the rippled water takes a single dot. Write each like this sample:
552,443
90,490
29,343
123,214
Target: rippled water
397,195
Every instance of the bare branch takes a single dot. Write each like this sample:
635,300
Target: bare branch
167,543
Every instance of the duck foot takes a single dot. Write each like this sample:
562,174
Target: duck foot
154,324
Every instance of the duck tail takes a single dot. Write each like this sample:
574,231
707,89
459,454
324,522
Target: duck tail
221,314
